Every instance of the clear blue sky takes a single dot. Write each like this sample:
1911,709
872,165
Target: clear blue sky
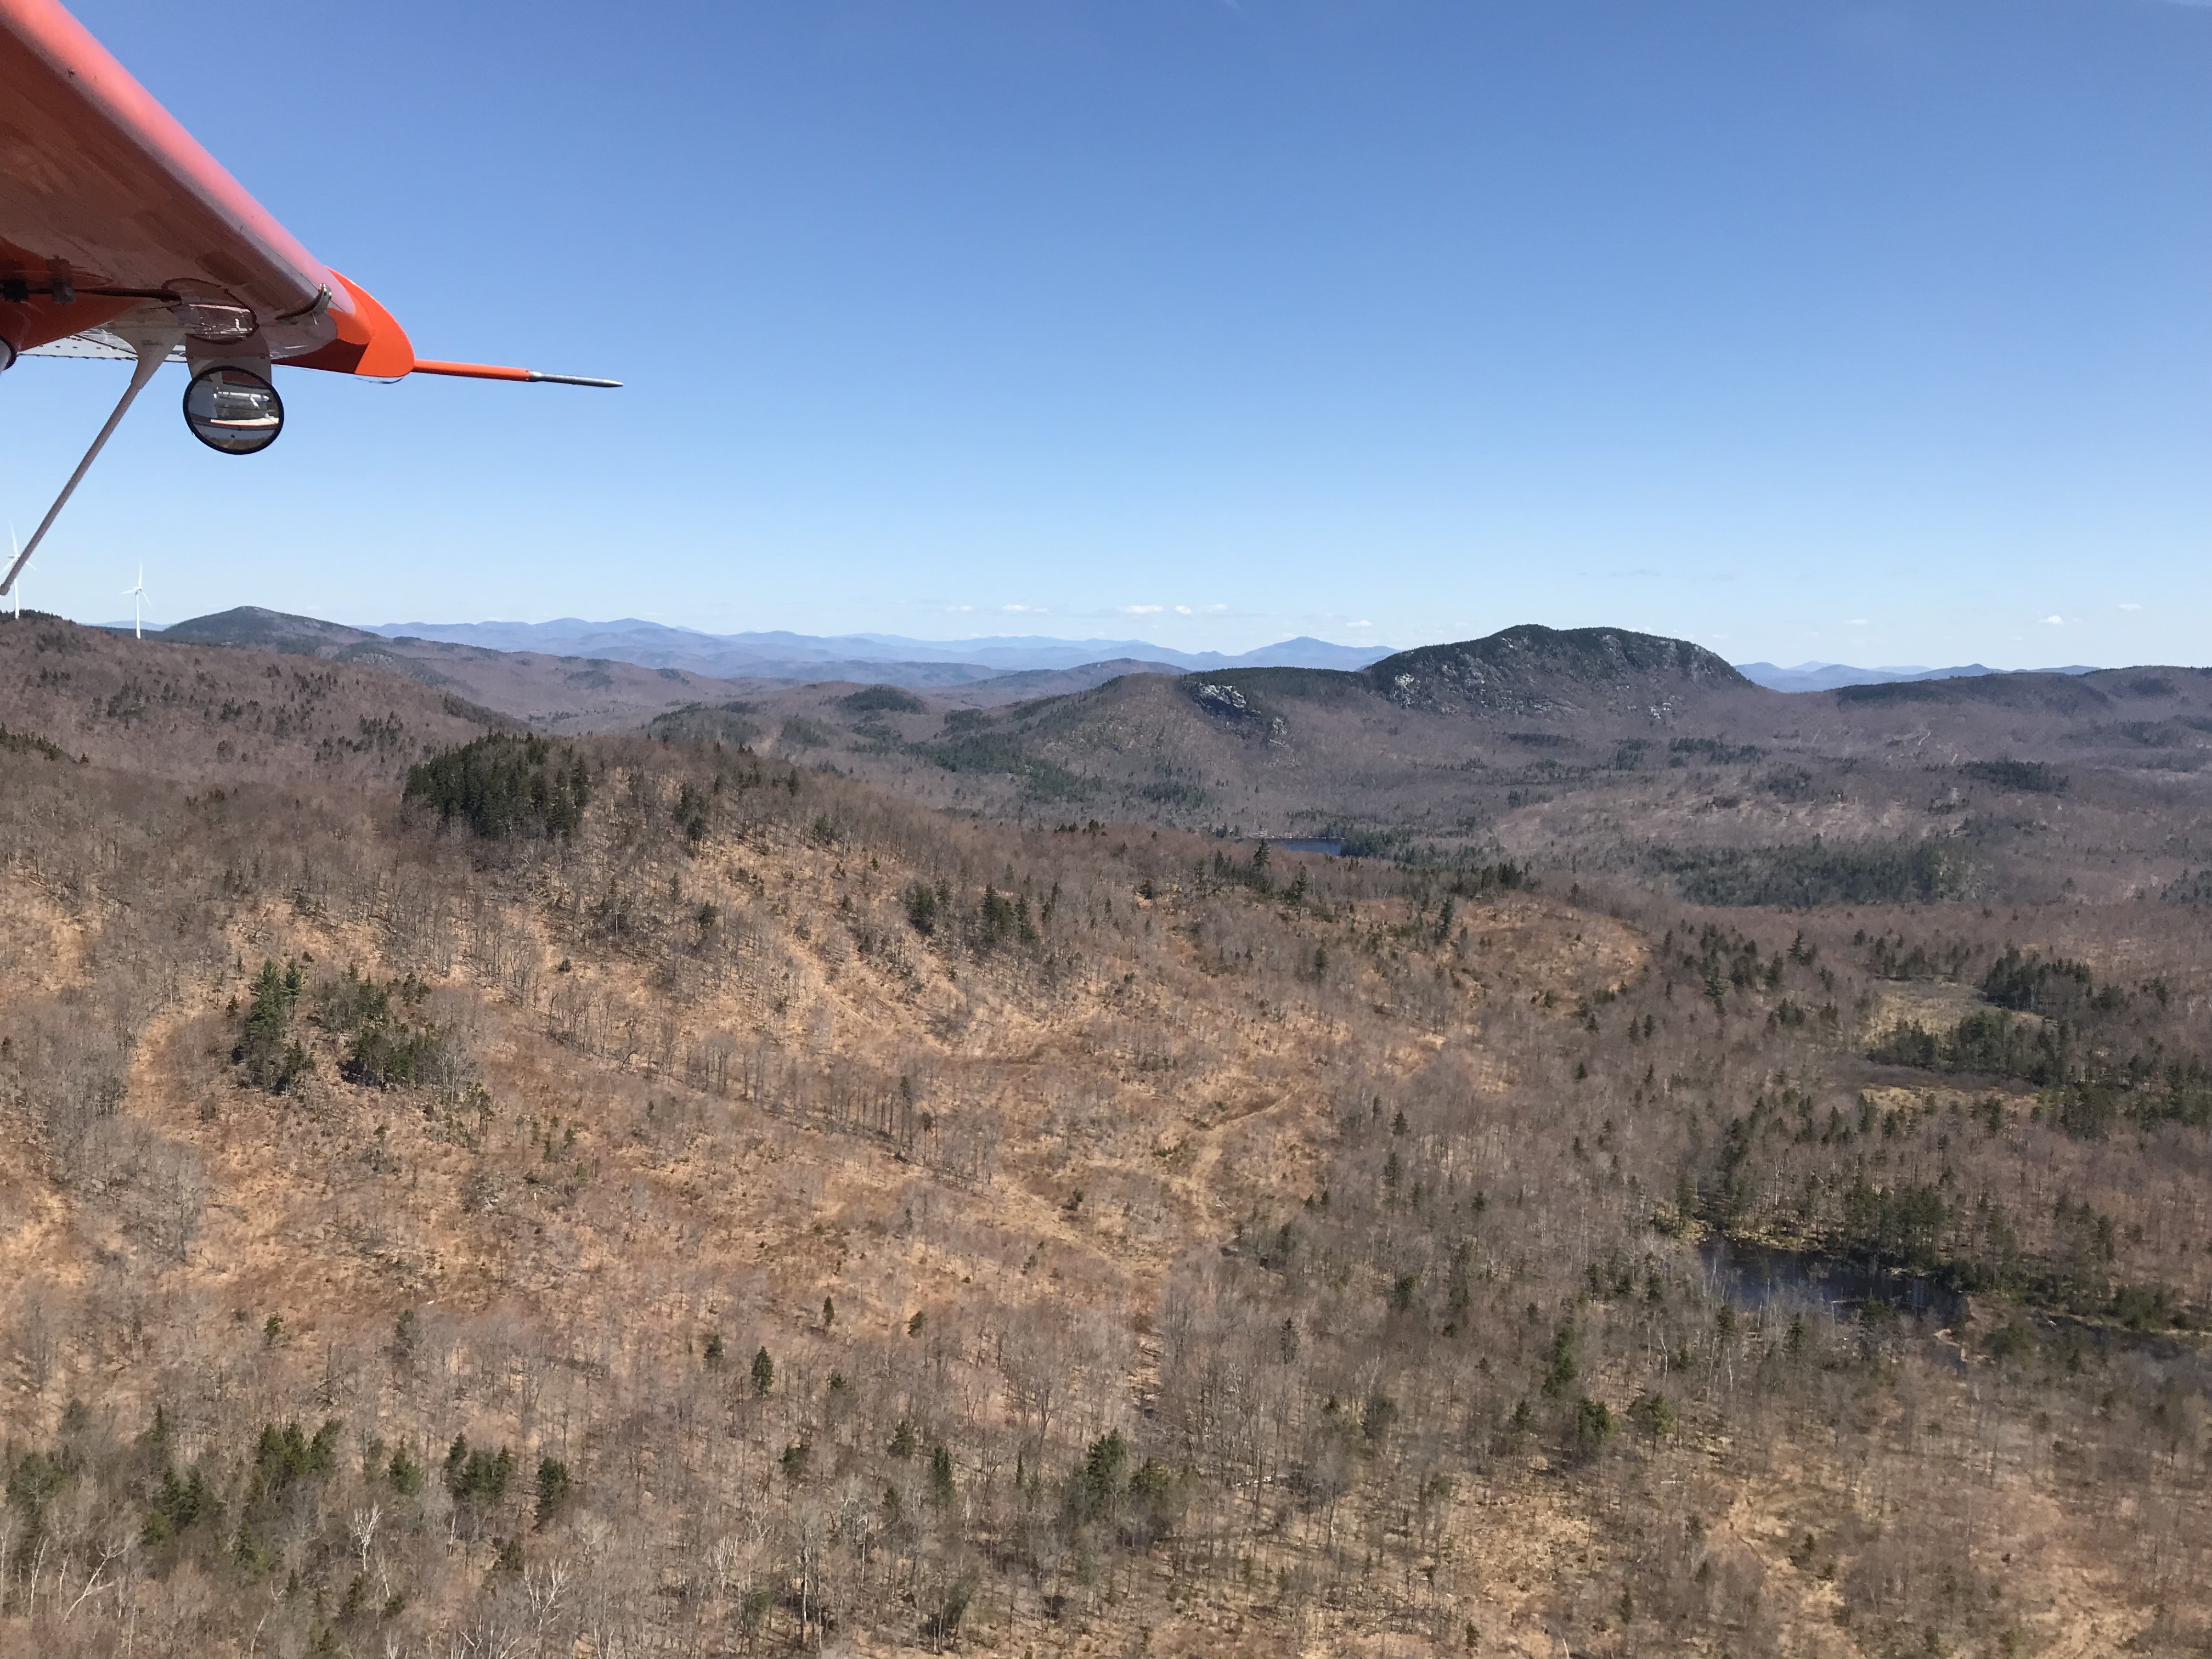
1875,332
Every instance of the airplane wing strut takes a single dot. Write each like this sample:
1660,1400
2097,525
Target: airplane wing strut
154,346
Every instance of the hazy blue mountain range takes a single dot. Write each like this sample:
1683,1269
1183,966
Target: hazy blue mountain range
997,662
883,657
1829,676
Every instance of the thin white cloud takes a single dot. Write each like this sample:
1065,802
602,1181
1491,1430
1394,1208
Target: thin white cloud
1027,610
1142,609
1854,622
2054,622
1182,610
1362,623
2124,605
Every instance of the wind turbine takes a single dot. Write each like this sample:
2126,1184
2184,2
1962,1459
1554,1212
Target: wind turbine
137,596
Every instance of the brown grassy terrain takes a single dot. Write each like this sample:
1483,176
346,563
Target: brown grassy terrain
864,1229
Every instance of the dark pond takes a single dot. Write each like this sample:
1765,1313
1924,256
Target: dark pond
1756,1275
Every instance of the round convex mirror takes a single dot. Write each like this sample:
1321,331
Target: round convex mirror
232,410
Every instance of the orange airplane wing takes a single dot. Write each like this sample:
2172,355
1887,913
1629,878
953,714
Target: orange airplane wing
121,237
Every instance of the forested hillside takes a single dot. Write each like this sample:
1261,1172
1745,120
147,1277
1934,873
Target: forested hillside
480,1193
1590,750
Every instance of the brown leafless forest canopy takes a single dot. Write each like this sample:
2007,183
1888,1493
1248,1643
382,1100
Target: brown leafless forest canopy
1719,1174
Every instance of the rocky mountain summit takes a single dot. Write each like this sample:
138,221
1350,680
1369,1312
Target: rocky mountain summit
1532,670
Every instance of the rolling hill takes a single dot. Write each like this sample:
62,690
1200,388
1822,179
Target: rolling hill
1543,745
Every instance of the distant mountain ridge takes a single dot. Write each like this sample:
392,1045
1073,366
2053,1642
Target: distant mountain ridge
583,689
1834,676
560,693
887,657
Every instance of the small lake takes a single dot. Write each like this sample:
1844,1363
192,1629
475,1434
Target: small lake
1332,849
1756,1276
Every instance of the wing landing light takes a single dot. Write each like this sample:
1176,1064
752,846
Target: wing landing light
121,238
